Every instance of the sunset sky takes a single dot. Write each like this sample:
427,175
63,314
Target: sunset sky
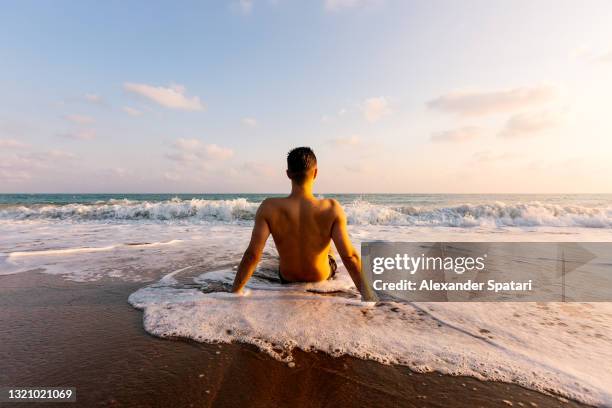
393,96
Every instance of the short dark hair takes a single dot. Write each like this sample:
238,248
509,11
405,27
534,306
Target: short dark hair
299,161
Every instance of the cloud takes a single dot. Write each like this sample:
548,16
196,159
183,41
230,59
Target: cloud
337,5
216,152
585,52
55,154
172,97
243,6
190,150
375,108
19,163
79,119
171,176
258,169
114,173
462,134
353,140
93,98
84,134
18,167
132,111
9,176
90,98
181,157
605,57
187,144
250,122
527,124
476,103
485,156
581,51
327,118
34,160
357,168
12,144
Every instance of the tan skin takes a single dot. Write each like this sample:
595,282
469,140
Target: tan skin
302,227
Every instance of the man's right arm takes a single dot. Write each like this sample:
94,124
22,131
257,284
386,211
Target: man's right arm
350,257
250,259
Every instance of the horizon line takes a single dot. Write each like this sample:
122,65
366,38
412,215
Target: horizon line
318,193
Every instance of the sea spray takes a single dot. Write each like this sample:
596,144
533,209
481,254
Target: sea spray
494,214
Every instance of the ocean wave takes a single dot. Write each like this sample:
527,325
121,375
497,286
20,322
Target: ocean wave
498,214
123,210
494,214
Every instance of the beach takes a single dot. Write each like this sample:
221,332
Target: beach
59,333
125,300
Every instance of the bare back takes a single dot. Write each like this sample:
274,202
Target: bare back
302,231
303,228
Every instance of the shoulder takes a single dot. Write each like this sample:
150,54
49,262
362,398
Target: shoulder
272,201
265,210
331,202
334,206
269,203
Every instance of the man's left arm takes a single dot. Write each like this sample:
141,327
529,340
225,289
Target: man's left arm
251,257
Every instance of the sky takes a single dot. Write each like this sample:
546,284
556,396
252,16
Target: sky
394,96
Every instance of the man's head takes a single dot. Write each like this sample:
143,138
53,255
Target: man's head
301,165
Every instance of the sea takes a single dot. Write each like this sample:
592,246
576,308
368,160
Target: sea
183,250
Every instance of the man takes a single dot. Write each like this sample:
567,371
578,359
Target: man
302,227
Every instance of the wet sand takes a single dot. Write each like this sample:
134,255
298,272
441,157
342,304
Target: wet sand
55,332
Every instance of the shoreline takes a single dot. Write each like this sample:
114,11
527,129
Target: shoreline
56,332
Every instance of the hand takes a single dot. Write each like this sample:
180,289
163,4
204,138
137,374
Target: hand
368,295
241,292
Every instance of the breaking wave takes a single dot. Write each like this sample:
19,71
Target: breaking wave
122,210
494,214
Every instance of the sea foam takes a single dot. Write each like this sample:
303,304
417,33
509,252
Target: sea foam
551,347
359,212
175,209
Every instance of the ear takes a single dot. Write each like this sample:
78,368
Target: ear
314,176
287,171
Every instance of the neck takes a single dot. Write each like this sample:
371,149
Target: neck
301,190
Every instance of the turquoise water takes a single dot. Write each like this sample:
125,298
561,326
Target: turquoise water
415,199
